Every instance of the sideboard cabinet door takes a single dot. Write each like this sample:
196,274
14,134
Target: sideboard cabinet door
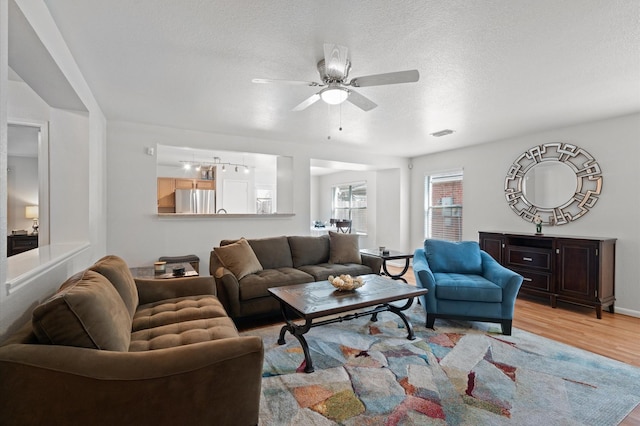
493,244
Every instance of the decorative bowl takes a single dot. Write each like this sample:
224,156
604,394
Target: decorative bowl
346,282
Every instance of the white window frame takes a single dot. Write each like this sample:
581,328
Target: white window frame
356,210
453,211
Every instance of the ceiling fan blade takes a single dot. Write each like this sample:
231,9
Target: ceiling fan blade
389,78
286,82
360,101
335,60
307,102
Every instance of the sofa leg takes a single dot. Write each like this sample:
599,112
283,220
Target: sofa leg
506,327
430,320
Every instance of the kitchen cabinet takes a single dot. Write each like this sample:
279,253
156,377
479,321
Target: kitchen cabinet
166,193
167,190
579,270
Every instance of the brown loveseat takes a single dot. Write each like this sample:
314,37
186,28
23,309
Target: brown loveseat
245,269
110,350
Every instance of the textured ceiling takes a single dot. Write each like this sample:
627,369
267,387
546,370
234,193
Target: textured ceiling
489,69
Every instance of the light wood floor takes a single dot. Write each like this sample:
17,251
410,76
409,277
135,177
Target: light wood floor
615,336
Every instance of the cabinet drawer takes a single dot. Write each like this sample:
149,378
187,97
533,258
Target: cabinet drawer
529,257
535,280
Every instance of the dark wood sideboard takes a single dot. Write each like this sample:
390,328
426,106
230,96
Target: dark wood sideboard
579,270
21,243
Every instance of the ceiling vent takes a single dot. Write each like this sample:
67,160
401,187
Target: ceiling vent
444,132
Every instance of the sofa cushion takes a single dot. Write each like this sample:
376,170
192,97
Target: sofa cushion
467,287
172,311
306,250
118,273
87,312
322,271
183,333
344,248
256,285
462,257
239,258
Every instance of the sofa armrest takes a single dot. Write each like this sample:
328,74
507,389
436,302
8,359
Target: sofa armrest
215,382
373,262
154,290
228,290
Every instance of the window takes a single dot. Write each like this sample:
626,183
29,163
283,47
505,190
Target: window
350,202
443,206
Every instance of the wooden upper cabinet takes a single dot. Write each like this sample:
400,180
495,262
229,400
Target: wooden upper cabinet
184,184
205,184
166,192
195,184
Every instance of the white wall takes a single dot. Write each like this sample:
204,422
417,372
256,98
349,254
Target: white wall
69,172
77,178
613,143
140,236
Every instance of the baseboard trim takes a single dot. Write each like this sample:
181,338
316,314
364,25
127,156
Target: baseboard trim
629,312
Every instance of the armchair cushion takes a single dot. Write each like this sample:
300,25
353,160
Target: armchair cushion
239,258
465,287
344,248
462,257
87,312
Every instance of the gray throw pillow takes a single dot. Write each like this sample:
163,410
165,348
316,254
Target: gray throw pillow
344,248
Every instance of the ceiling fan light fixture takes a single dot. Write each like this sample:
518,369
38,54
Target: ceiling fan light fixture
334,95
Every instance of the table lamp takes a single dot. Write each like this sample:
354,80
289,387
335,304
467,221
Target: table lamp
31,212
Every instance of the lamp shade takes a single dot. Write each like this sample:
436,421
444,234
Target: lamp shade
31,212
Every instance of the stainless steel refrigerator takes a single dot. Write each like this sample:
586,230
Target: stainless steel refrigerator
196,201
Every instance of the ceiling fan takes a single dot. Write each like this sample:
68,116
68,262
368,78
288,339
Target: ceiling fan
334,71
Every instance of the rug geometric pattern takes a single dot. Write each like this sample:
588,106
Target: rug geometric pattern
461,373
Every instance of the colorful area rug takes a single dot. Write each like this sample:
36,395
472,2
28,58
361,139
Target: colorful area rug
462,373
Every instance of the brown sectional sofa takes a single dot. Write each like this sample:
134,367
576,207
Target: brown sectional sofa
242,283
107,349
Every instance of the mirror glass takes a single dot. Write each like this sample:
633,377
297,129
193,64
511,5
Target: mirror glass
549,184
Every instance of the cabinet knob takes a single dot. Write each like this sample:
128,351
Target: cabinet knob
526,279
528,259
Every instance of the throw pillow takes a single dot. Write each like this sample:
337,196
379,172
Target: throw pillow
344,248
87,312
115,269
307,250
239,258
462,257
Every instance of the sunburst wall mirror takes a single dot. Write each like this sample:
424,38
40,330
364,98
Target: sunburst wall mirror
558,182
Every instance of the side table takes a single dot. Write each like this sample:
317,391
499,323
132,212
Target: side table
148,272
391,255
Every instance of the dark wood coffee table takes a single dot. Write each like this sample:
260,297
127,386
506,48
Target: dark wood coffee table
320,299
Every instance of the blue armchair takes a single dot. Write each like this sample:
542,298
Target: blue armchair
464,282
